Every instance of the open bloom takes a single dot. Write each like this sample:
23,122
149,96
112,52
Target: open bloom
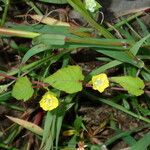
90,5
100,82
49,101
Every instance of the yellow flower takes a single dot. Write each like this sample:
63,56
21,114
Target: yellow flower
49,101
100,82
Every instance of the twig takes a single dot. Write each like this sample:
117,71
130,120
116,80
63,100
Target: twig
7,76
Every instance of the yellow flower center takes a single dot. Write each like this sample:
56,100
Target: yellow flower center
98,82
48,101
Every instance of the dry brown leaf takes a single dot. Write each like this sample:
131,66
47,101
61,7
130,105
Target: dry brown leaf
49,20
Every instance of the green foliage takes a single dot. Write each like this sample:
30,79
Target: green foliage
22,89
55,1
68,79
78,123
34,50
128,53
137,46
49,39
53,124
143,143
80,7
5,96
133,85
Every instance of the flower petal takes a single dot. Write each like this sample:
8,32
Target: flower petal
49,101
100,82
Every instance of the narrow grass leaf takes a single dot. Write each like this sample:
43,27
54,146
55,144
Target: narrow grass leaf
117,106
55,1
28,125
143,27
137,45
5,96
47,127
146,76
58,128
44,29
50,140
143,143
33,51
49,39
12,133
80,7
123,56
103,68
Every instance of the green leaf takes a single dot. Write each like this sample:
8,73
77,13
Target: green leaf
22,89
144,28
47,127
123,56
79,6
28,125
49,39
55,1
6,96
78,123
117,106
34,50
143,143
145,75
126,104
103,68
137,45
134,85
97,147
67,79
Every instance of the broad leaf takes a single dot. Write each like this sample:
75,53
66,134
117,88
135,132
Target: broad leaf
133,85
67,79
22,89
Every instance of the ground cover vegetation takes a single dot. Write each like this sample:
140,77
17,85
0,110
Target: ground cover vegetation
72,80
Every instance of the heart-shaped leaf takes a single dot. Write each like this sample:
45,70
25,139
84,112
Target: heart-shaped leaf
22,89
67,79
134,85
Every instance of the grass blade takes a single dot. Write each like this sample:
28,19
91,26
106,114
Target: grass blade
28,125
